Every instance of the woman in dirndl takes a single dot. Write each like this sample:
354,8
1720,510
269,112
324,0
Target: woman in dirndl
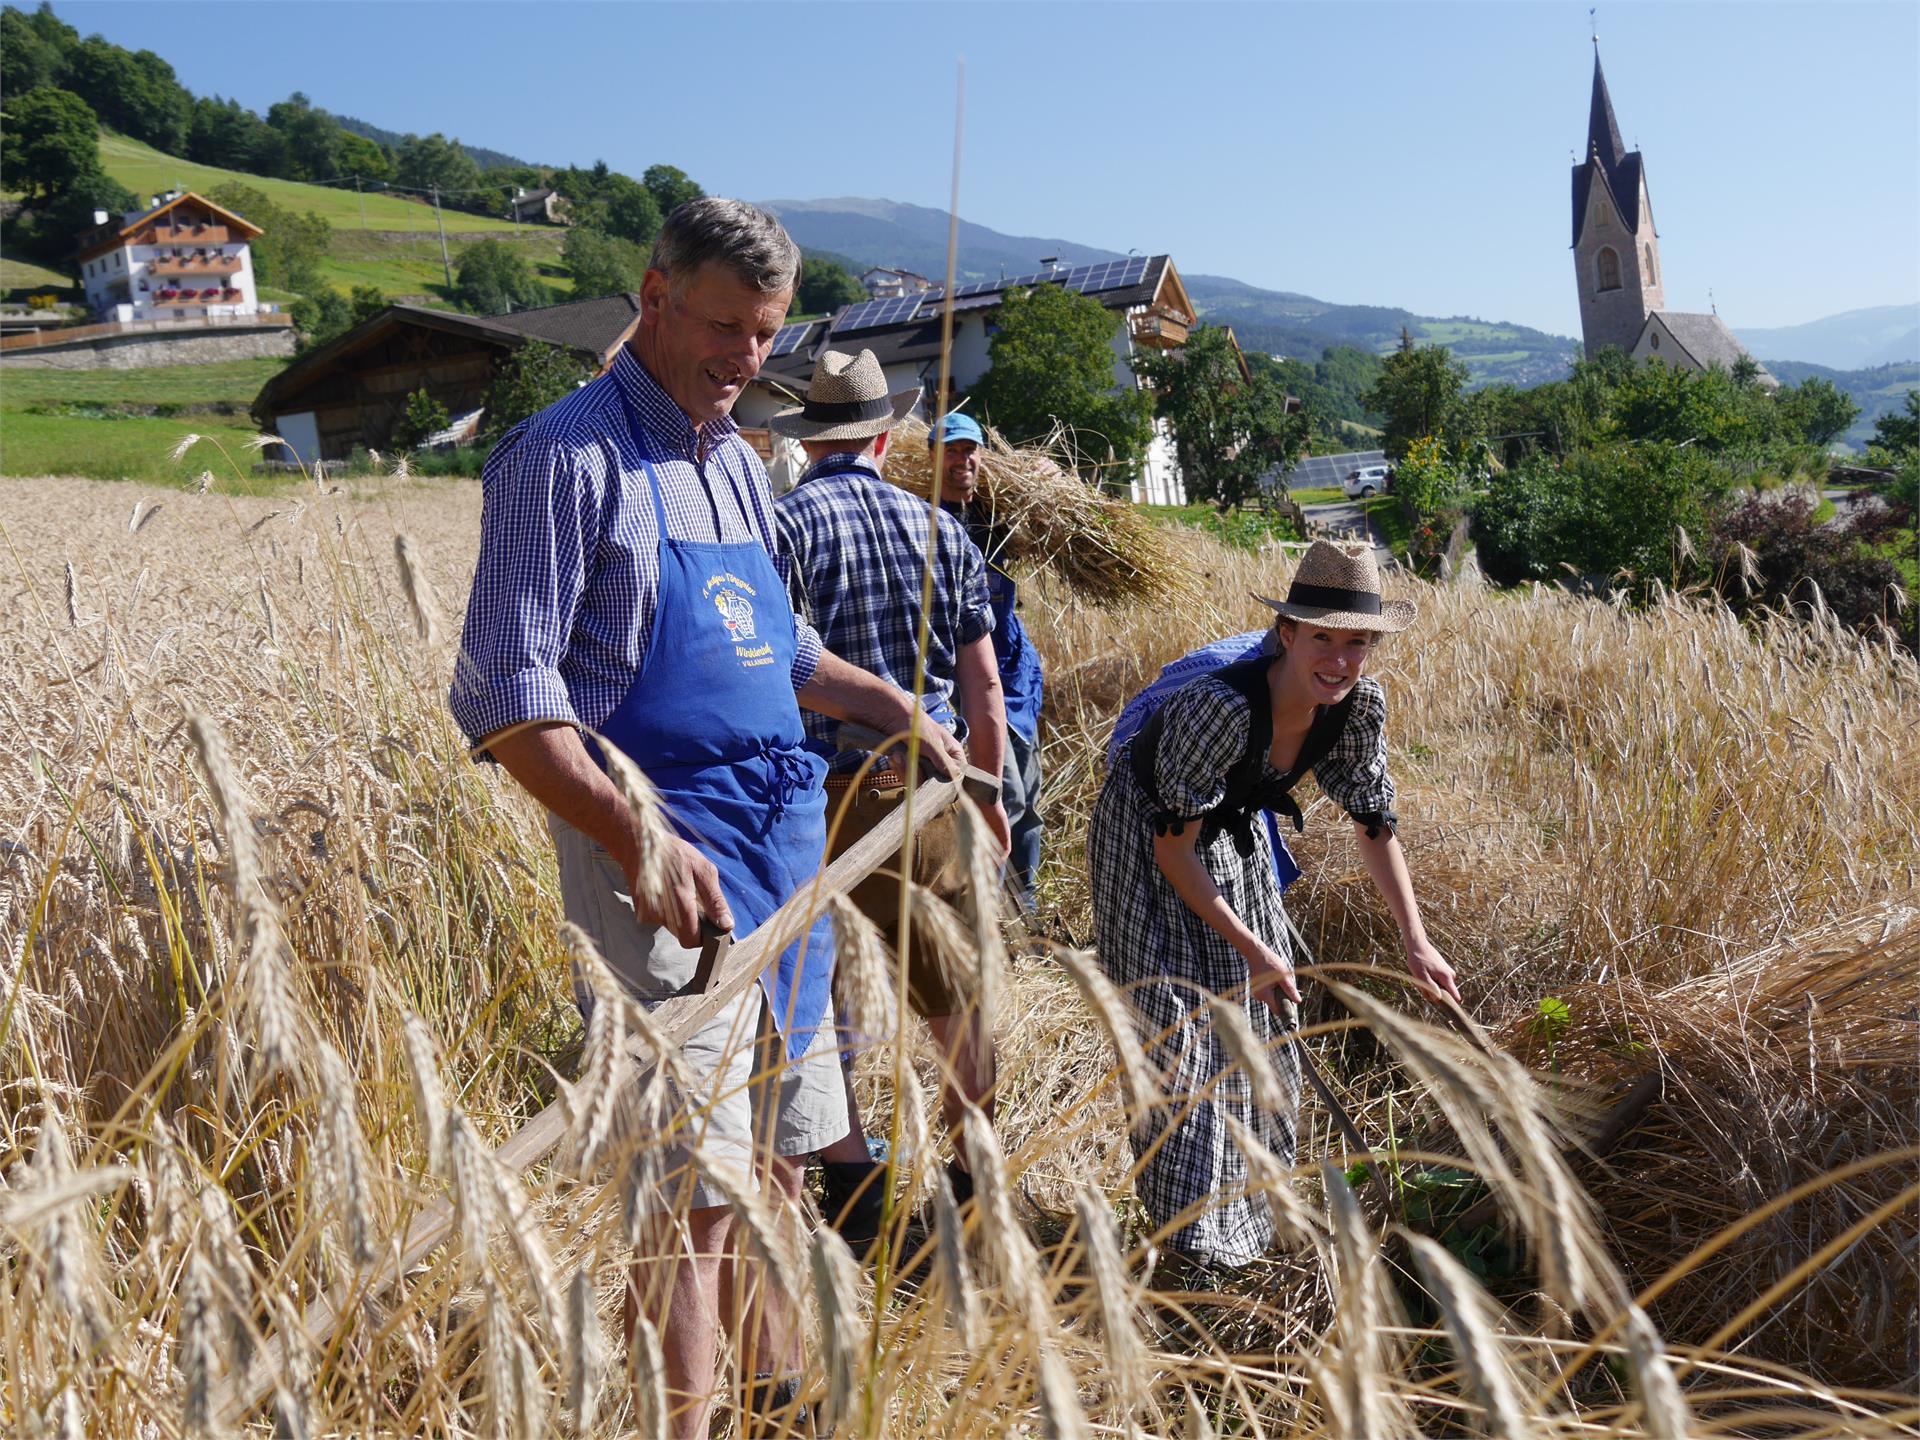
1186,901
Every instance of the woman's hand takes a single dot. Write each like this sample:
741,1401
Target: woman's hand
1269,976
1430,970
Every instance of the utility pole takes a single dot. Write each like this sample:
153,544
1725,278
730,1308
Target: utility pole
445,264
363,202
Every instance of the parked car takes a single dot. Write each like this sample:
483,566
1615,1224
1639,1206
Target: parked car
1368,481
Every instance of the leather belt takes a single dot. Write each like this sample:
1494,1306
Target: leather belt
876,780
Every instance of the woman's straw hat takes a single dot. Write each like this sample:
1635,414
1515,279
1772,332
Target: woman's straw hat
847,400
1338,586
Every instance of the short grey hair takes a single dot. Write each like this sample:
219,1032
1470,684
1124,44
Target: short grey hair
742,237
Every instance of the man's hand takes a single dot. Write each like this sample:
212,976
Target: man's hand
1270,977
1001,828
939,749
692,890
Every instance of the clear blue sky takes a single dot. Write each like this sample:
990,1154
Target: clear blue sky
1410,155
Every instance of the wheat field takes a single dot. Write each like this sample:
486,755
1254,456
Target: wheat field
279,968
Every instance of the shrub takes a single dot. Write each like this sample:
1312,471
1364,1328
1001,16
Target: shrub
528,381
494,279
1791,548
424,416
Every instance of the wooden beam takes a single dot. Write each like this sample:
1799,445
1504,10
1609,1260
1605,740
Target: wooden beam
678,1019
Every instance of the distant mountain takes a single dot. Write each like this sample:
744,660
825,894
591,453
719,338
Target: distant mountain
914,237
393,139
1856,340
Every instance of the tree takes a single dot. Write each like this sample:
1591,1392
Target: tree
320,317
424,416
357,155
288,254
1418,393
825,286
136,92
33,50
226,133
312,138
51,141
671,187
1898,431
1228,430
365,301
1052,361
1817,409
427,161
601,264
631,211
528,381
494,279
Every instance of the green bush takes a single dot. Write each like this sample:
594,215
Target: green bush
528,381
494,279
424,416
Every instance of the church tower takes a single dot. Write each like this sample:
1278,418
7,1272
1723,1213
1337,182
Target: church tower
1616,251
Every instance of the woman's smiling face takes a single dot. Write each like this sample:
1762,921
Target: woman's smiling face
1322,664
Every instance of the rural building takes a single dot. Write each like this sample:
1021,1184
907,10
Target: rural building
543,206
1616,258
1143,291
181,258
351,391
884,283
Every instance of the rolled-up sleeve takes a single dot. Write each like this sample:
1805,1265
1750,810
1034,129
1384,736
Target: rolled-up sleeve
975,596
539,527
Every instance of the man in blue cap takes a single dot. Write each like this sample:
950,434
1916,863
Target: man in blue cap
1021,680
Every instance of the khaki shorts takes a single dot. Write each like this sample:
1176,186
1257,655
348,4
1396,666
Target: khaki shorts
936,866
747,1101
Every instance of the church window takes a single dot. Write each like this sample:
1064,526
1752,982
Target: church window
1653,277
1606,267
1654,339
1606,213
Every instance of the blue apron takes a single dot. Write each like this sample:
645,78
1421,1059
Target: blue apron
715,727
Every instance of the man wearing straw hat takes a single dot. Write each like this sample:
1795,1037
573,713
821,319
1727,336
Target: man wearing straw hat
860,549
627,594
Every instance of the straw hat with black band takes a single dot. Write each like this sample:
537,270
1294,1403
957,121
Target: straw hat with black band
847,400
1338,586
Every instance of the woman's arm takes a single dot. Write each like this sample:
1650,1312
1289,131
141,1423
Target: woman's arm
1386,863
1179,860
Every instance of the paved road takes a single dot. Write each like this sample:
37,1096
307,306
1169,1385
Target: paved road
1346,516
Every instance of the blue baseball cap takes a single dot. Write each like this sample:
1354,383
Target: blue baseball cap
955,426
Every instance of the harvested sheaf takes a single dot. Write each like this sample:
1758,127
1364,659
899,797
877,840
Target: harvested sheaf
1100,546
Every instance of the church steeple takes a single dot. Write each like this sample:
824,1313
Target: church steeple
1603,131
1615,247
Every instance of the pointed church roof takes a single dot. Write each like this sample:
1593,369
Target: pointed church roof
1619,170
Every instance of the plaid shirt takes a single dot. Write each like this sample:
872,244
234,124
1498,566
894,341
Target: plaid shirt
569,570
858,548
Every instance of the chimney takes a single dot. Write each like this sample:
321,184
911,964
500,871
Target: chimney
99,217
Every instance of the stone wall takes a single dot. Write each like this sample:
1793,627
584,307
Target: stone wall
160,347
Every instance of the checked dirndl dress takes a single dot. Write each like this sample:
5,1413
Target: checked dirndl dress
1165,958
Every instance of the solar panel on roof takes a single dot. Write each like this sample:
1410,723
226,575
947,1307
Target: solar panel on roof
791,337
876,313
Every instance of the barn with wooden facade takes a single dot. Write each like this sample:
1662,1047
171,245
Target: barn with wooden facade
352,391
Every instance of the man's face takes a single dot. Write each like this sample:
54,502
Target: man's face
707,336
960,472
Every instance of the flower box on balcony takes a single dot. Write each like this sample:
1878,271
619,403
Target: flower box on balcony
167,294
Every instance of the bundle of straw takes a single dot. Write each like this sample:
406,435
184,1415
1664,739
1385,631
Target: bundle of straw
1102,547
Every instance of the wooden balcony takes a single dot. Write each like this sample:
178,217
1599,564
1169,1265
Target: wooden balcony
195,265
1161,330
183,235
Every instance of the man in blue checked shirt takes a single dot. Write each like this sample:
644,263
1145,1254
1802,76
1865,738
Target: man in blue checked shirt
860,549
627,589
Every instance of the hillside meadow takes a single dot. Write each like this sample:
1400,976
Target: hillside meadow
279,967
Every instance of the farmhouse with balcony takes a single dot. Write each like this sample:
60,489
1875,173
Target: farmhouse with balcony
885,283
351,391
1144,293
181,258
545,206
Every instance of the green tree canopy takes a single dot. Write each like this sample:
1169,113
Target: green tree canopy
357,155
631,212
51,141
528,381
671,187
1052,360
33,49
494,279
136,92
1228,430
602,264
312,138
1418,393
1817,410
426,161
1898,431
825,286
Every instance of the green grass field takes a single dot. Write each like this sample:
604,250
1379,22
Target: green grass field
399,264
147,171
1389,522
63,422
28,278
